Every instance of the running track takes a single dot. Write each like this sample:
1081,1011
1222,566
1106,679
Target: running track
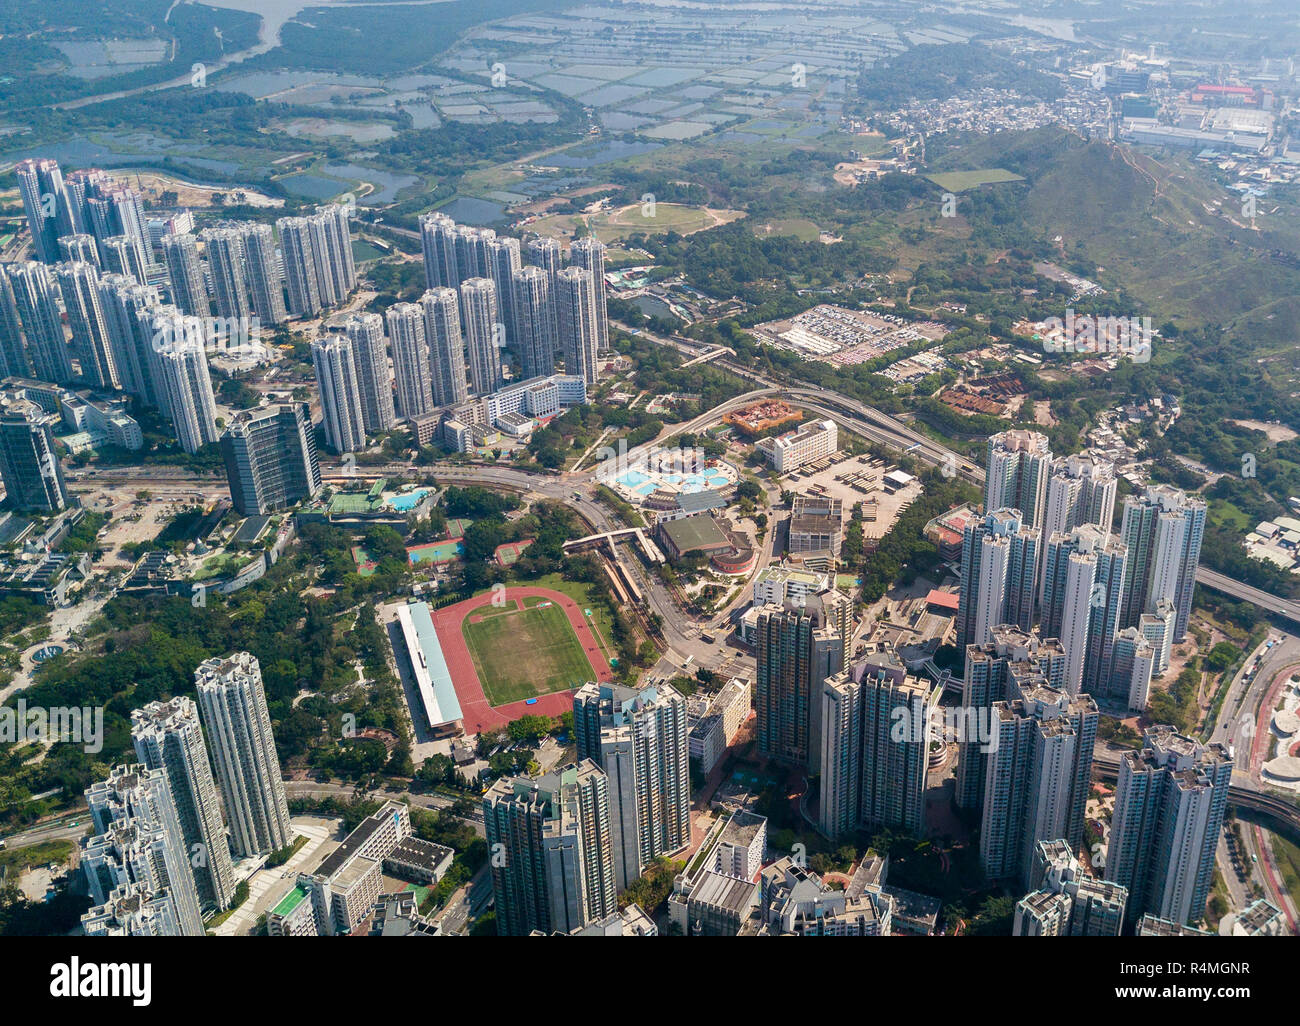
478,714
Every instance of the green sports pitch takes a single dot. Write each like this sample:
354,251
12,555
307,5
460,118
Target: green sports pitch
962,181
525,653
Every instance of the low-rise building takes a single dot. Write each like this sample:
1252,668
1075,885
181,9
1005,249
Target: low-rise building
348,883
796,902
693,535
1261,918
795,449
293,915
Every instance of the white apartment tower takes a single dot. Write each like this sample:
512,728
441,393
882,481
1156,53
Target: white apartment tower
410,359
168,737
1163,530
185,272
478,303
999,562
1083,592
534,334
589,253
340,393
185,383
233,706
374,376
446,347
265,282
640,738
79,284
1169,806
36,297
225,251
1019,463
575,306
138,843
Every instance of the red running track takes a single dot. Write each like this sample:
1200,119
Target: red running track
478,714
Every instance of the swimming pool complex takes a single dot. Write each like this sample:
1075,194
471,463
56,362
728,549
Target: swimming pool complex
638,483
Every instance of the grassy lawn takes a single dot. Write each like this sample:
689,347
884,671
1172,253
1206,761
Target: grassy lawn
619,224
36,855
1225,514
525,653
1288,862
960,181
581,594
801,228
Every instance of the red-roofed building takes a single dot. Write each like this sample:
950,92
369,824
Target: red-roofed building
942,601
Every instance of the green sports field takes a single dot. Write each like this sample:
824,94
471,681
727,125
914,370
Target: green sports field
960,181
521,654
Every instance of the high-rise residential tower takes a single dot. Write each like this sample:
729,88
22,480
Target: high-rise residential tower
1019,463
299,247
185,272
1083,592
36,297
1037,775
446,346
438,246
232,702
47,205
534,334
554,867
799,645
340,393
503,257
79,284
29,463
589,253
1011,662
1163,530
138,842
374,376
168,737
640,738
999,563
410,359
271,460
478,304
874,747
226,266
575,316
1169,806
265,282
187,386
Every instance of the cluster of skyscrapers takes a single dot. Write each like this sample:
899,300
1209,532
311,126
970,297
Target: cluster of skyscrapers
161,852
144,326
538,306
863,725
565,844
1056,613
1043,554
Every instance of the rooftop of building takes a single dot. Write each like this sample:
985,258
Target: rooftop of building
290,901
691,533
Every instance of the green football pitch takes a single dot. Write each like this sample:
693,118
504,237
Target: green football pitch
521,654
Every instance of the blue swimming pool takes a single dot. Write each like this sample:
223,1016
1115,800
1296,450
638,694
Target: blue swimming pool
632,478
408,501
